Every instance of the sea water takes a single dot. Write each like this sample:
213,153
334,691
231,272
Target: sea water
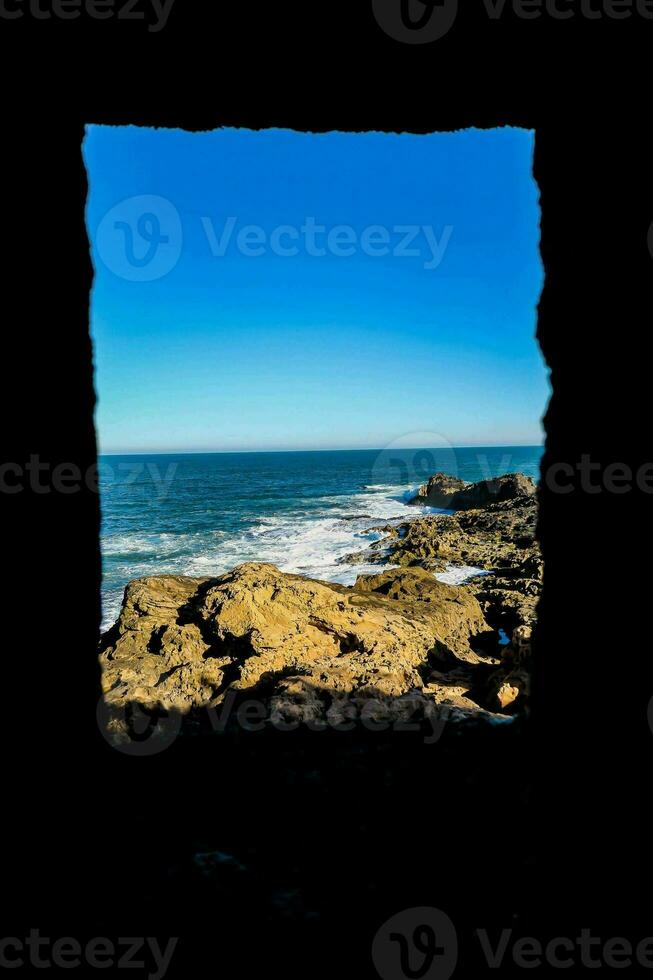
203,513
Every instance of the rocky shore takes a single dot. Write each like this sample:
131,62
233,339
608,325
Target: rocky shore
397,645
492,527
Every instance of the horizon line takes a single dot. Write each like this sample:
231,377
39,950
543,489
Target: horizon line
349,449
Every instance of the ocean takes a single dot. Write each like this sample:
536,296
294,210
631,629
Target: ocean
201,514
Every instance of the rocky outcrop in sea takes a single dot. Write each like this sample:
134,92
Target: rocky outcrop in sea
397,644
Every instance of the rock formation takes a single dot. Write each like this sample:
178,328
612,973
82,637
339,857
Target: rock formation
440,491
498,538
313,651
305,649
451,493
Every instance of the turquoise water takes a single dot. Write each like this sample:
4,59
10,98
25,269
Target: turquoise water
201,514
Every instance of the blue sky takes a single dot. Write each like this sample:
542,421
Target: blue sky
411,310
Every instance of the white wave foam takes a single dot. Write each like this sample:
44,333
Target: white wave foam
391,488
111,603
150,544
459,574
303,542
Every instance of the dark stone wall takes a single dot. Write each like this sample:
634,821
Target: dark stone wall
547,823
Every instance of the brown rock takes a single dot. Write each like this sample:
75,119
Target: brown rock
451,493
297,644
509,688
440,491
499,538
457,619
